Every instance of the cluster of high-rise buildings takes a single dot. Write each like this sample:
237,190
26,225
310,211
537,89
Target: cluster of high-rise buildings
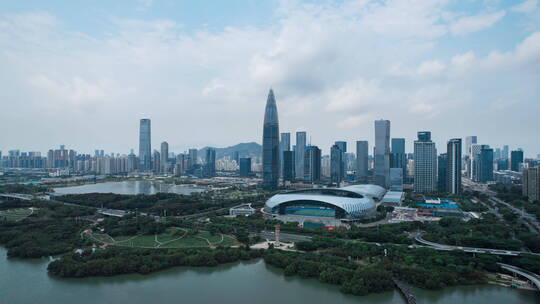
389,166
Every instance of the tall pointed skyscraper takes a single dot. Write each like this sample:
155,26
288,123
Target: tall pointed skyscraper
145,145
270,144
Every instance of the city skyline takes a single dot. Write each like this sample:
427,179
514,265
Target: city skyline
466,66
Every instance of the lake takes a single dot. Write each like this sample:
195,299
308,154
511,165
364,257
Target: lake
27,281
128,187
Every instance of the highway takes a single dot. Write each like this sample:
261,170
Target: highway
529,219
438,246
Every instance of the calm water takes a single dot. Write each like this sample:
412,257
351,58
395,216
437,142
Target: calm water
127,187
27,281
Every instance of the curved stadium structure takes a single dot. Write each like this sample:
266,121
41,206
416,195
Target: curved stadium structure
338,203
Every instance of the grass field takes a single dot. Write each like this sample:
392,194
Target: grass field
172,238
16,214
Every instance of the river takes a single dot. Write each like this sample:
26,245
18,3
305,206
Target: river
128,187
27,281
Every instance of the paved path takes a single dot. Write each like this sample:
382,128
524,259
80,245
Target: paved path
531,276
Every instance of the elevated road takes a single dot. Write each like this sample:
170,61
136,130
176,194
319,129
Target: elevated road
531,276
24,197
438,246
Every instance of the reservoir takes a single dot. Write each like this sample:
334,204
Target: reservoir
27,281
128,187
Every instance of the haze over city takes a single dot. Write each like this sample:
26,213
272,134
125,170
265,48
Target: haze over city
83,74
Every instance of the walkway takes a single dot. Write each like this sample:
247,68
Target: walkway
531,276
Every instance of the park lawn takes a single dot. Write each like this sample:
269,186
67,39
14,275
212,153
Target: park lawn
169,240
187,242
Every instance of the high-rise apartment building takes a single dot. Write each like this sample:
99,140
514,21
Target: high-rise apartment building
362,161
300,154
145,145
425,163
382,153
270,144
156,161
531,183
453,167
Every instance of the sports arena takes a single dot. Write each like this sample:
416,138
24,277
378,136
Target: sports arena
347,203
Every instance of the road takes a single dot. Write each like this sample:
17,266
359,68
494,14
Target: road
530,220
285,237
438,246
531,276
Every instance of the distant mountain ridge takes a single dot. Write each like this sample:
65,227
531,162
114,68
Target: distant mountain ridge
250,149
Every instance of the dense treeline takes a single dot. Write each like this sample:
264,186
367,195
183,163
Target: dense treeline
352,278
114,261
488,232
422,267
52,230
24,189
132,225
161,203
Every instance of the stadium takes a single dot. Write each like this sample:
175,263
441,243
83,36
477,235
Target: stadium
347,203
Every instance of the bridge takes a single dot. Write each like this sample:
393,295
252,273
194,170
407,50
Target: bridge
405,291
438,246
531,276
24,197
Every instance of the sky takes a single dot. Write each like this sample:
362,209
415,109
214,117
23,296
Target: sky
82,73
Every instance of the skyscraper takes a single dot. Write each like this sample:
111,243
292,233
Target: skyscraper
288,166
336,164
469,141
343,147
300,154
485,164
210,163
398,158
516,159
504,152
284,145
245,167
362,161
270,144
425,163
192,158
382,153
312,168
164,157
442,172
145,145
453,167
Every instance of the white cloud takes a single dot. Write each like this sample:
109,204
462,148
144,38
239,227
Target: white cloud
526,7
471,24
431,68
334,68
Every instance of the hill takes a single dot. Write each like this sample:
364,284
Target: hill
251,149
